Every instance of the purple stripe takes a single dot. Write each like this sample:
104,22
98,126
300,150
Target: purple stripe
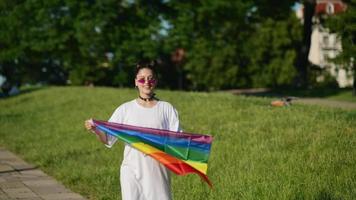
194,137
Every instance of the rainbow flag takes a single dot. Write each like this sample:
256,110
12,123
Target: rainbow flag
180,152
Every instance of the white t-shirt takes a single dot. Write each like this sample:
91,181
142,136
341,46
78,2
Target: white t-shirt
141,176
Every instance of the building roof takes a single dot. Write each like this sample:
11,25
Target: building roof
329,7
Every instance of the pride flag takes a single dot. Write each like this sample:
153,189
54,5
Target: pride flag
180,152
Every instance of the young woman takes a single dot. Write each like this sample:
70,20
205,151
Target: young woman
142,177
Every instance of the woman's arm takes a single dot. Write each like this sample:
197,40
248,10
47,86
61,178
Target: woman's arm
89,125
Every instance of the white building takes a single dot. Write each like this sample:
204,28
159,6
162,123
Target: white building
325,45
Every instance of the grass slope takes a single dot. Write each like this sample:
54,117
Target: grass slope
259,152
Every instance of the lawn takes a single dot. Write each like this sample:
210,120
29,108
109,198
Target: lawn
259,151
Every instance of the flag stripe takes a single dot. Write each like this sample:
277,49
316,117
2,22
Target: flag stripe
181,153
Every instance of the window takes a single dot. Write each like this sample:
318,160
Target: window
330,8
325,41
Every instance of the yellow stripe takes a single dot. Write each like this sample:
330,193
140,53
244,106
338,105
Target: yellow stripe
147,149
202,167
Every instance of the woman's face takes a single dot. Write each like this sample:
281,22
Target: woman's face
145,81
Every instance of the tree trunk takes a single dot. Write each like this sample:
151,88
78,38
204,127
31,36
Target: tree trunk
303,62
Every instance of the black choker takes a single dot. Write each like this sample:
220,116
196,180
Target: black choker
147,99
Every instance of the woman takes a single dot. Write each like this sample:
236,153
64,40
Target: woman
142,177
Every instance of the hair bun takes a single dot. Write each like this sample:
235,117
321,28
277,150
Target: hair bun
146,63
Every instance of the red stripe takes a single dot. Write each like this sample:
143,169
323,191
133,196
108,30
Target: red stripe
177,166
184,169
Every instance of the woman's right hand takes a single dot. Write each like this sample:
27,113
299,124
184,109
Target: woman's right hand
89,125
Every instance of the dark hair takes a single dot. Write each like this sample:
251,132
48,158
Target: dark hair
146,63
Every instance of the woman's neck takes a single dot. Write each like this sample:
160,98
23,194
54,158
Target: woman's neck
147,104
145,96
147,100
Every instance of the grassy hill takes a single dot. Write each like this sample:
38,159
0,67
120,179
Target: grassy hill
259,151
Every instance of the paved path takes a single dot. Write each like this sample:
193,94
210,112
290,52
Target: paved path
20,180
303,100
328,102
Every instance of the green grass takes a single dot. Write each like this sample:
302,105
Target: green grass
259,151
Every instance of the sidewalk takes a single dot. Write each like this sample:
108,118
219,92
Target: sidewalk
328,102
20,180
265,92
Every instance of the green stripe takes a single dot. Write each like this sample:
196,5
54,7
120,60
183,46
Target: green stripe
187,154
128,138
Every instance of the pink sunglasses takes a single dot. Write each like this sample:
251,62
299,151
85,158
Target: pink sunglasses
149,81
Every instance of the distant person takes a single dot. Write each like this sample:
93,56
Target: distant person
142,177
6,87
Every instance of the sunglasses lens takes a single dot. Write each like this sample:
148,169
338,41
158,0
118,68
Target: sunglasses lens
152,81
142,81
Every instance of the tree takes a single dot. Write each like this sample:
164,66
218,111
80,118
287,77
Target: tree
227,44
274,47
86,41
211,32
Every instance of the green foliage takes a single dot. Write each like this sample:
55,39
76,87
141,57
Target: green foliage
212,33
76,37
274,47
259,151
211,72
344,25
236,44
228,44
